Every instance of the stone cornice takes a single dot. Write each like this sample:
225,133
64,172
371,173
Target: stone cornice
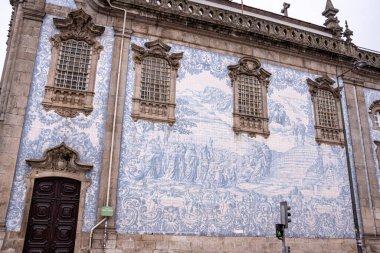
223,21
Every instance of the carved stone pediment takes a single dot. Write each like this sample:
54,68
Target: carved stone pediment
323,82
60,158
157,49
374,105
79,26
249,66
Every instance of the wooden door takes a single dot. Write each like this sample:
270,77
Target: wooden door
53,216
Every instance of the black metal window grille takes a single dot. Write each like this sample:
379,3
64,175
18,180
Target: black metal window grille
73,65
326,107
250,96
155,79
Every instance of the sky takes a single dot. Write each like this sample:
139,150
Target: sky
362,16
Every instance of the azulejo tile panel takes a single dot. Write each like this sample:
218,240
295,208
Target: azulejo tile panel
370,97
64,3
199,178
44,130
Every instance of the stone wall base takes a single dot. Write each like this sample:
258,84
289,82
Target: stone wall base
133,243
128,243
372,244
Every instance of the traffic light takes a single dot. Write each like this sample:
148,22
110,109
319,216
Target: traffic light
285,213
280,231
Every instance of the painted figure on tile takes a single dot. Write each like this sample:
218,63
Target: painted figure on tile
192,163
299,131
154,159
179,163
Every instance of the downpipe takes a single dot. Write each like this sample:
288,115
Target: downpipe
113,134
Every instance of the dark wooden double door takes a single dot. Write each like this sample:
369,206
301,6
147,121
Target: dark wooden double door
53,216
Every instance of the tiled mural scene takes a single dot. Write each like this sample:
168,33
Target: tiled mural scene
114,170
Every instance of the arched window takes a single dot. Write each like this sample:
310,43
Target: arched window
327,111
326,107
70,86
155,82
250,85
374,111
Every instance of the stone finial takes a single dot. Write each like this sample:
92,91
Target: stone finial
348,33
332,22
285,9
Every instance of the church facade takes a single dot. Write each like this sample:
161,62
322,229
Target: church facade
179,126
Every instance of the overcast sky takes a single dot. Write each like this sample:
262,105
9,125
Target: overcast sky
363,17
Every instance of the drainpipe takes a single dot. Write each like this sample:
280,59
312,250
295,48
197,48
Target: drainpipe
353,186
92,233
105,219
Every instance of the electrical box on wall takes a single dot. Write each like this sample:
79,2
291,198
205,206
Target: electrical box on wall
106,211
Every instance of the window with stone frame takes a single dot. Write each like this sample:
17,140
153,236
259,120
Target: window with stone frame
69,90
155,82
374,111
250,87
328,121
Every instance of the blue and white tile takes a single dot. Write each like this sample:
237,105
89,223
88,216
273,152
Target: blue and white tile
199,178
64,3
44,130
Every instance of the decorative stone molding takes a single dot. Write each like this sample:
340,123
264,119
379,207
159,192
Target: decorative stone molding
248,27
331,133
161,111
374,111
60,158
64,101
242,122
79,26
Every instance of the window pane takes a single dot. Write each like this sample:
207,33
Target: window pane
249,97
377,118
73,65
327,114
155,79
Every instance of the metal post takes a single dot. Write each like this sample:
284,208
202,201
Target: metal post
283,243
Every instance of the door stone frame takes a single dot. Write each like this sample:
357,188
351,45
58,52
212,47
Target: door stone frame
52,165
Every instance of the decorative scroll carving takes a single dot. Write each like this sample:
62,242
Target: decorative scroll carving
374,111
253,119
60,158
161,106
156,49
79,26
328,118
67,101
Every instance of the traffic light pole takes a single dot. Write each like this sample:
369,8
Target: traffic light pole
283,244
280,228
